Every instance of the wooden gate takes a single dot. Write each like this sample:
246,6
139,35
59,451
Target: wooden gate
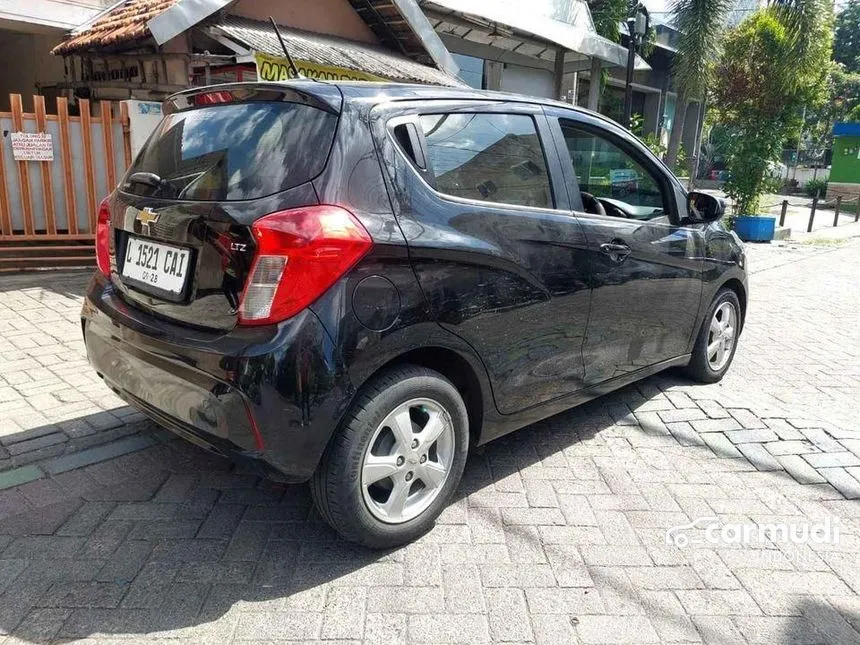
48,209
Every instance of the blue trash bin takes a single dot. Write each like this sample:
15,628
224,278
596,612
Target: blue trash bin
755,228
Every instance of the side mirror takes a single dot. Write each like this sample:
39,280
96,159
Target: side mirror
702,207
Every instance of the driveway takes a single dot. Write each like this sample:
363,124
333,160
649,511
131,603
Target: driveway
112,529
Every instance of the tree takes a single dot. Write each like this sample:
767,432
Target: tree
700,23
842,104
607,16
846,45
773,64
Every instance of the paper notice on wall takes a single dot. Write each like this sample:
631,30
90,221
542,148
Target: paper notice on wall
32,146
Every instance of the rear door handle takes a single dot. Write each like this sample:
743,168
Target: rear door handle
617,251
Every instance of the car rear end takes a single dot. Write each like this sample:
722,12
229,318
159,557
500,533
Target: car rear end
210,253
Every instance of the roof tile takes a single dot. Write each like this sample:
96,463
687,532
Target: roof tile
332,50
124,23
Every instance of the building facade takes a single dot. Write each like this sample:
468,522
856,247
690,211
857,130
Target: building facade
845,170
147,49
554,51
28,31
538,52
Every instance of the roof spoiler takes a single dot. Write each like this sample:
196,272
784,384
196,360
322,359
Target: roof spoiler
323,96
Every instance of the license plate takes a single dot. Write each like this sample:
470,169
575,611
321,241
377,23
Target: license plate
156,265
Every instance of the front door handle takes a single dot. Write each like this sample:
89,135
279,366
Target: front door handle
617,251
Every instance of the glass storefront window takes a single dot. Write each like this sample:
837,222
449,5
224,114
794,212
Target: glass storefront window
668,113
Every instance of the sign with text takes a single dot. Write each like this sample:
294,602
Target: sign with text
32,146
277,68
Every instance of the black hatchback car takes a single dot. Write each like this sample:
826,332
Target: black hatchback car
353,283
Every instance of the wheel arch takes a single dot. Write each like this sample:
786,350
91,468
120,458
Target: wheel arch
457,369
464,372
740,291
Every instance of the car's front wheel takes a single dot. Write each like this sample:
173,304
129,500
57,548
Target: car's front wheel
396,460
717,340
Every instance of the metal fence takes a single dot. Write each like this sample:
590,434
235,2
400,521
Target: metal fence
48,208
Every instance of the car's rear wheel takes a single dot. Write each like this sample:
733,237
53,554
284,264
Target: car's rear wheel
396,459
717,340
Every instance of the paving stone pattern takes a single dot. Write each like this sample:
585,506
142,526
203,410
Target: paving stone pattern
114,530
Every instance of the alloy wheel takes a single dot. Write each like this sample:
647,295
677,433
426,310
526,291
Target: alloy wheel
407,461
721,336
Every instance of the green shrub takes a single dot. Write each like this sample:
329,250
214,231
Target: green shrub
815,187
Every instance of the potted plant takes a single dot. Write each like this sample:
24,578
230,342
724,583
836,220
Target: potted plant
749,179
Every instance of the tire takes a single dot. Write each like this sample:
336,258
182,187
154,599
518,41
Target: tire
701,368
368,514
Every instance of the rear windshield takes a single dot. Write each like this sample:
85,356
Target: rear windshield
233,152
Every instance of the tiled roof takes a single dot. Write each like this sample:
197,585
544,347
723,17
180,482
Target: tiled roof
124,23
332,50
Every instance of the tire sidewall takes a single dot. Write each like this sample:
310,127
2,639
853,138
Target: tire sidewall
373,531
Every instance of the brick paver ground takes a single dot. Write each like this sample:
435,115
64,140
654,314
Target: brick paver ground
110,529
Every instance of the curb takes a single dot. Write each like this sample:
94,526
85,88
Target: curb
57,465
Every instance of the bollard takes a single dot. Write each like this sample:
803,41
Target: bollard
782,214
812,213
836,212
857,210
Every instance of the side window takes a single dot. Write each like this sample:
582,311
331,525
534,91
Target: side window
488,157
604,171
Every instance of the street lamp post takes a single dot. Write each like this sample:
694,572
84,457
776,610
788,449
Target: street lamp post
637,27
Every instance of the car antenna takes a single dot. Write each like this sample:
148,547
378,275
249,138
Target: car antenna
293,67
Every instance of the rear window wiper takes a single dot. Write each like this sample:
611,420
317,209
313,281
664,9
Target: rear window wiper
149,179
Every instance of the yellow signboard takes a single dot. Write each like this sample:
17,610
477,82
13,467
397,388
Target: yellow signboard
277,68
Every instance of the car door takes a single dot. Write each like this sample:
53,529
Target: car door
646,268
479,195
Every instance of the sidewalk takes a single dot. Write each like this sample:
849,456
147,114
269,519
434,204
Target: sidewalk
55,413
797,219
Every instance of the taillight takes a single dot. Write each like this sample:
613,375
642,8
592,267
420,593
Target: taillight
300,253
103,238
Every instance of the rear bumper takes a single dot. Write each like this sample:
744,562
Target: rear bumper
272,394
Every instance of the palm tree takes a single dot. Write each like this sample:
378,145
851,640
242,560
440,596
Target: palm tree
809,24
700,23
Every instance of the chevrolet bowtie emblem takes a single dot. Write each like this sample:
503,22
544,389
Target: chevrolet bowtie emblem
146,217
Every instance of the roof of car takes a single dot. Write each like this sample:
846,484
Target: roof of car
408,91
381,92
396,91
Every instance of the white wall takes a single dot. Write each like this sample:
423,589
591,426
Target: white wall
527,80
59,14
336,17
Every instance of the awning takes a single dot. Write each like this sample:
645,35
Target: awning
329,50
511,26
845,129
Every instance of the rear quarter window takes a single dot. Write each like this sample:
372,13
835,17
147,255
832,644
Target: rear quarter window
488,157
234,151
